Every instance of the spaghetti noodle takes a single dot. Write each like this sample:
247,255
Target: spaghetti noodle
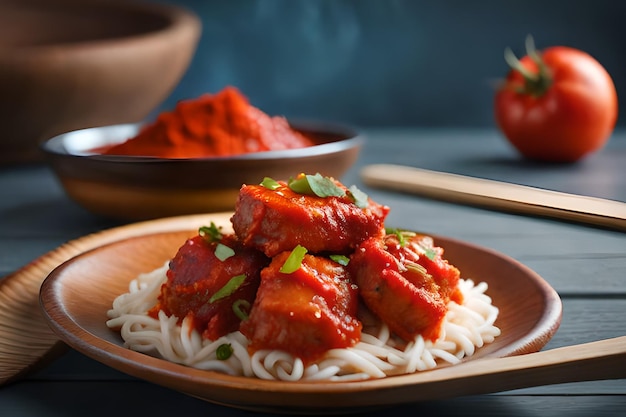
466,327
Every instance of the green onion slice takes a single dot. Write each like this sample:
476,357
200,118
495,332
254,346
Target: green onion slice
294,261
430,253
270,183
210,233
224,351
223,252
340,259
300,185
241,308
230,287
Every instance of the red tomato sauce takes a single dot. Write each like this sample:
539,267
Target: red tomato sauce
304,313
196,273
319,305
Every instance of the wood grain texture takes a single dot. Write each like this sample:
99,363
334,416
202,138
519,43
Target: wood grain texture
26,341
498,195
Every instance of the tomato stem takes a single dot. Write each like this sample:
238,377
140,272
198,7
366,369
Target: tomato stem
517,65
535,83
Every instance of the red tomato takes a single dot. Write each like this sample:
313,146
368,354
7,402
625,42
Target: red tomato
557,105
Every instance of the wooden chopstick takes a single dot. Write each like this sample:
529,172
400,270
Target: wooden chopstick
497,195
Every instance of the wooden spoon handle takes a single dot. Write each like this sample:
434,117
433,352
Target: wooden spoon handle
605,359
498,195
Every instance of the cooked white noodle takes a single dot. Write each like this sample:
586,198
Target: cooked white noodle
466,328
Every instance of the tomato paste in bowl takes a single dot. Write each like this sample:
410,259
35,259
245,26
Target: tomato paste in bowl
222,124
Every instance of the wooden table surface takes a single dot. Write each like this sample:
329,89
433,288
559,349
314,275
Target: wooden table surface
586,265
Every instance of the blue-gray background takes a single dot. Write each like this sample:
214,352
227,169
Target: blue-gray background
393,62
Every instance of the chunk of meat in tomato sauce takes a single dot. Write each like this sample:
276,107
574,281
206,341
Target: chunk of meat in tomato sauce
306,312
403,286
419,249
278,220
195,274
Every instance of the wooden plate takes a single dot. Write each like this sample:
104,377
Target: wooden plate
76,296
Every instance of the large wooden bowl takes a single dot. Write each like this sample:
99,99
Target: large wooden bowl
72,64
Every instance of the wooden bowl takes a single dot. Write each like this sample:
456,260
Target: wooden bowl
73,64
77,295
139,188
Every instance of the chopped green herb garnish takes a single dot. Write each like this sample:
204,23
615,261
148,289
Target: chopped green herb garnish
321,186
210,233
270,183
402,235
294,260
230,287
223,252
224,351
340,259
316,185
430,253
241,308
358,196
398,233
300,185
